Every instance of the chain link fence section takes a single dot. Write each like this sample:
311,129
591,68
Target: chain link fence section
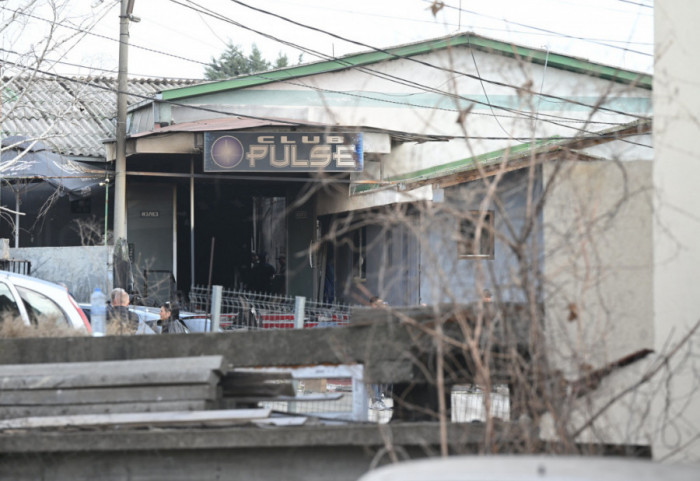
253,310
245,310
250,310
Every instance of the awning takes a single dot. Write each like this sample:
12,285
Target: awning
24,161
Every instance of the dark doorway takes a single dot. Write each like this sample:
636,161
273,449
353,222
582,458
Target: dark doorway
232,219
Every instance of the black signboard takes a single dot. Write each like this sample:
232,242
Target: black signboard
282,152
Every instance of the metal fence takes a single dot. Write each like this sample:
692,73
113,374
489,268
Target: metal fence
251,310
254,310
17,266
468,403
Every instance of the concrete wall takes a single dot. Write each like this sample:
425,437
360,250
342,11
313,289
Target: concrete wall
81,269
597,224
677,226
598,282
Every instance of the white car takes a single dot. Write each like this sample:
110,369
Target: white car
191,321
532,468
36,301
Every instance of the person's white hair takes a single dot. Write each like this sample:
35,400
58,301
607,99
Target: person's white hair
119,296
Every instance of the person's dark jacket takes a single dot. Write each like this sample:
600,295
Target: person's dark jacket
173,326
123,315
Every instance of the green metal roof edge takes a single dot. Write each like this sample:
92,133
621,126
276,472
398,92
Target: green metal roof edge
563,62
462,165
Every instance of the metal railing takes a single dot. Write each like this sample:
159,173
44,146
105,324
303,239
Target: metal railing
251,310
345,397
254,310
17,266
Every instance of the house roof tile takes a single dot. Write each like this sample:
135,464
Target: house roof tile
71,115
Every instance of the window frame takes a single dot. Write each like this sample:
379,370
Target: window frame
30,296
16,312
466,226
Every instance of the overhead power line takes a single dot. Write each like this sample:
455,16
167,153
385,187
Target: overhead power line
603,41
229,113
547,31
405,82
541,117
105,37
202,9
424,63
636,3
356,95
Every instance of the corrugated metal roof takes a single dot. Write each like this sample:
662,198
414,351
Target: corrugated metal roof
71,115
538,56
243,123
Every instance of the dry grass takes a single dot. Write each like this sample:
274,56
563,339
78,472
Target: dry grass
14,327
119,328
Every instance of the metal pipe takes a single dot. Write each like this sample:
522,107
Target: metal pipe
107,253
192,221
17,218
216,293
211,269
299,314
174,214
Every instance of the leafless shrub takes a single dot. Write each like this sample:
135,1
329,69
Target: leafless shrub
92,231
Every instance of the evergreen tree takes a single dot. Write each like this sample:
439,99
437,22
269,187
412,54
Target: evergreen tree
256,63
233,62
282,61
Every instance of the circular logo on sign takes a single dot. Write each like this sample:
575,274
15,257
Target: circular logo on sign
227,152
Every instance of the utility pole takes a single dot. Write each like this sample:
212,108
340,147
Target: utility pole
126,9
121,278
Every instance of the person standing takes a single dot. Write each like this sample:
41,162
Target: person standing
118,314
169,321
263,273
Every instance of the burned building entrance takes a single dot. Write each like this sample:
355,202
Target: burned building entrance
232,221
205,233
235,195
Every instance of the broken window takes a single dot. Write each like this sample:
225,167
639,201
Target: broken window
473,246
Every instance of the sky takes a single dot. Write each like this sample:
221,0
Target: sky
176,38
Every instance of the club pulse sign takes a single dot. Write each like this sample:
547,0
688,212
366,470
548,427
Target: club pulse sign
282,152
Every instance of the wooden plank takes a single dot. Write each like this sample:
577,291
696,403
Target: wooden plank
170,418
107,395
96,379
175,364
10,412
